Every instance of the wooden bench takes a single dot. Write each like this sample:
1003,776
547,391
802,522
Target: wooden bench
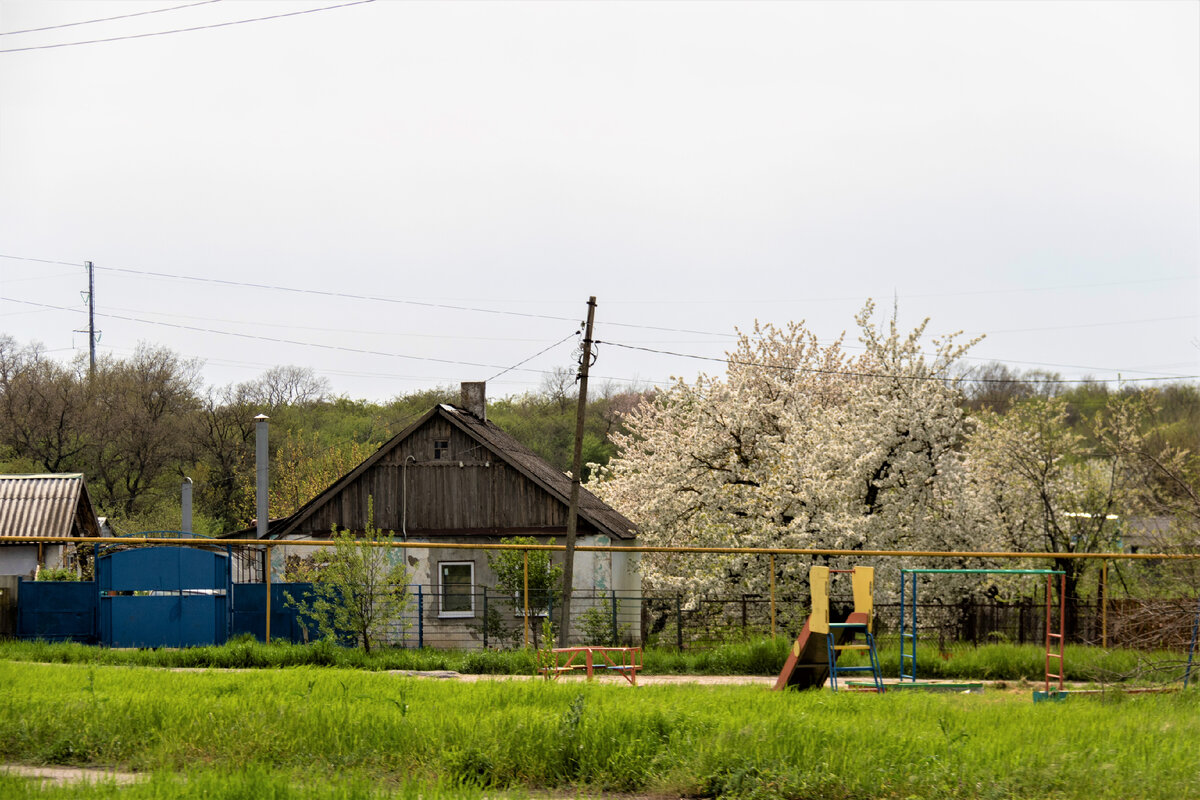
624,661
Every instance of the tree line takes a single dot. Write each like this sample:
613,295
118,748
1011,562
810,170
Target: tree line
136,426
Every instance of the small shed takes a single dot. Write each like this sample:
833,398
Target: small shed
452,477
54,506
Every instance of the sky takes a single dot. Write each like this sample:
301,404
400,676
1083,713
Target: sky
403,195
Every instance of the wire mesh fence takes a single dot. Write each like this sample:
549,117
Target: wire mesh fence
1146,604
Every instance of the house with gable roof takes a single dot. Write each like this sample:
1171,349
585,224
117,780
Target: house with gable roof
452,477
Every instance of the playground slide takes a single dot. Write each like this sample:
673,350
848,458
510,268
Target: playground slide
807,665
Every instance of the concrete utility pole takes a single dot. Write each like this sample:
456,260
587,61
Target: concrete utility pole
564,625
91,319
91,328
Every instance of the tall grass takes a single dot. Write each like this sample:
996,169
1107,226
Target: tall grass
726,741
760,657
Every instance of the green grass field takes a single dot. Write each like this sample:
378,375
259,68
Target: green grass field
354,733
761,657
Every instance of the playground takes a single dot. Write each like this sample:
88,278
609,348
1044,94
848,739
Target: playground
815,659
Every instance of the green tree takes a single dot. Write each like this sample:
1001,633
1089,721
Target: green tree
545,577
359,588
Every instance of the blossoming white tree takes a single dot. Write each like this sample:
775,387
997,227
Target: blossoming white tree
798,445
1038,485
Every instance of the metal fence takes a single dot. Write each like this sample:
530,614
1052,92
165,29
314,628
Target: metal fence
1155,607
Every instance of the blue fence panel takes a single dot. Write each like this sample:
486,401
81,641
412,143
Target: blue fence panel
250,612
60,610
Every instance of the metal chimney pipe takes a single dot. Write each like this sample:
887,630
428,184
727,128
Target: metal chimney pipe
260,471
186,502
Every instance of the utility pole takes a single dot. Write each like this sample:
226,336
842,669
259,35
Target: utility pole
91,319
564,626
91,328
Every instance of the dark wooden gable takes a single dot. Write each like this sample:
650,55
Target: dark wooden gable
451,474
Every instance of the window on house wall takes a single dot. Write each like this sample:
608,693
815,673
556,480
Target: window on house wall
456,585
441,449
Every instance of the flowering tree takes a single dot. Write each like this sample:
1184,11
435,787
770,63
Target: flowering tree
1038,485
798,445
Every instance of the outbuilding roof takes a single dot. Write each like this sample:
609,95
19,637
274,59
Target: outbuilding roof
55,505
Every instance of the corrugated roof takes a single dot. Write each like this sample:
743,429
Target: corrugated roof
44,505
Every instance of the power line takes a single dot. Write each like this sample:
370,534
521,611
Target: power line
109,19
527,315
855,374
42,260
186,30
355,331
379,299
535,355
676,354
855,298
1094,324
276,340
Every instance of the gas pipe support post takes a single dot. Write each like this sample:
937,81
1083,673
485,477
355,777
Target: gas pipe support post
525,553
268,572
772,595
1104,604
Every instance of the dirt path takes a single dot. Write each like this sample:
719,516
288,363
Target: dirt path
643,680
60,776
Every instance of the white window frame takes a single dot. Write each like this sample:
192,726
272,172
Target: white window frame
442,613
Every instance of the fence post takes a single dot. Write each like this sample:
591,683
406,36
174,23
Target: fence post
679,621
525,553
1104,604
615,641
485,619
420,616
772,595
268,575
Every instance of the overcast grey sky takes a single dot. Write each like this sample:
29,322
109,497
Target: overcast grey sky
1026,170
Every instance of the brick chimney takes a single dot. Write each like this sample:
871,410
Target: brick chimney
474,398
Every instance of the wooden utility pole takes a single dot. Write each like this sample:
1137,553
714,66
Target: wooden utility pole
564,625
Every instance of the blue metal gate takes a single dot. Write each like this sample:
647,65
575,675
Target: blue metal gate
164,597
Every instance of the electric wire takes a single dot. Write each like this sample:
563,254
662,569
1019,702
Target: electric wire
446,306
395,300
276,340
109,19
375,298
186,30
535,355
676,354
878,375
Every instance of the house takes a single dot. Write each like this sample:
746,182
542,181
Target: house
55,506
453,478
